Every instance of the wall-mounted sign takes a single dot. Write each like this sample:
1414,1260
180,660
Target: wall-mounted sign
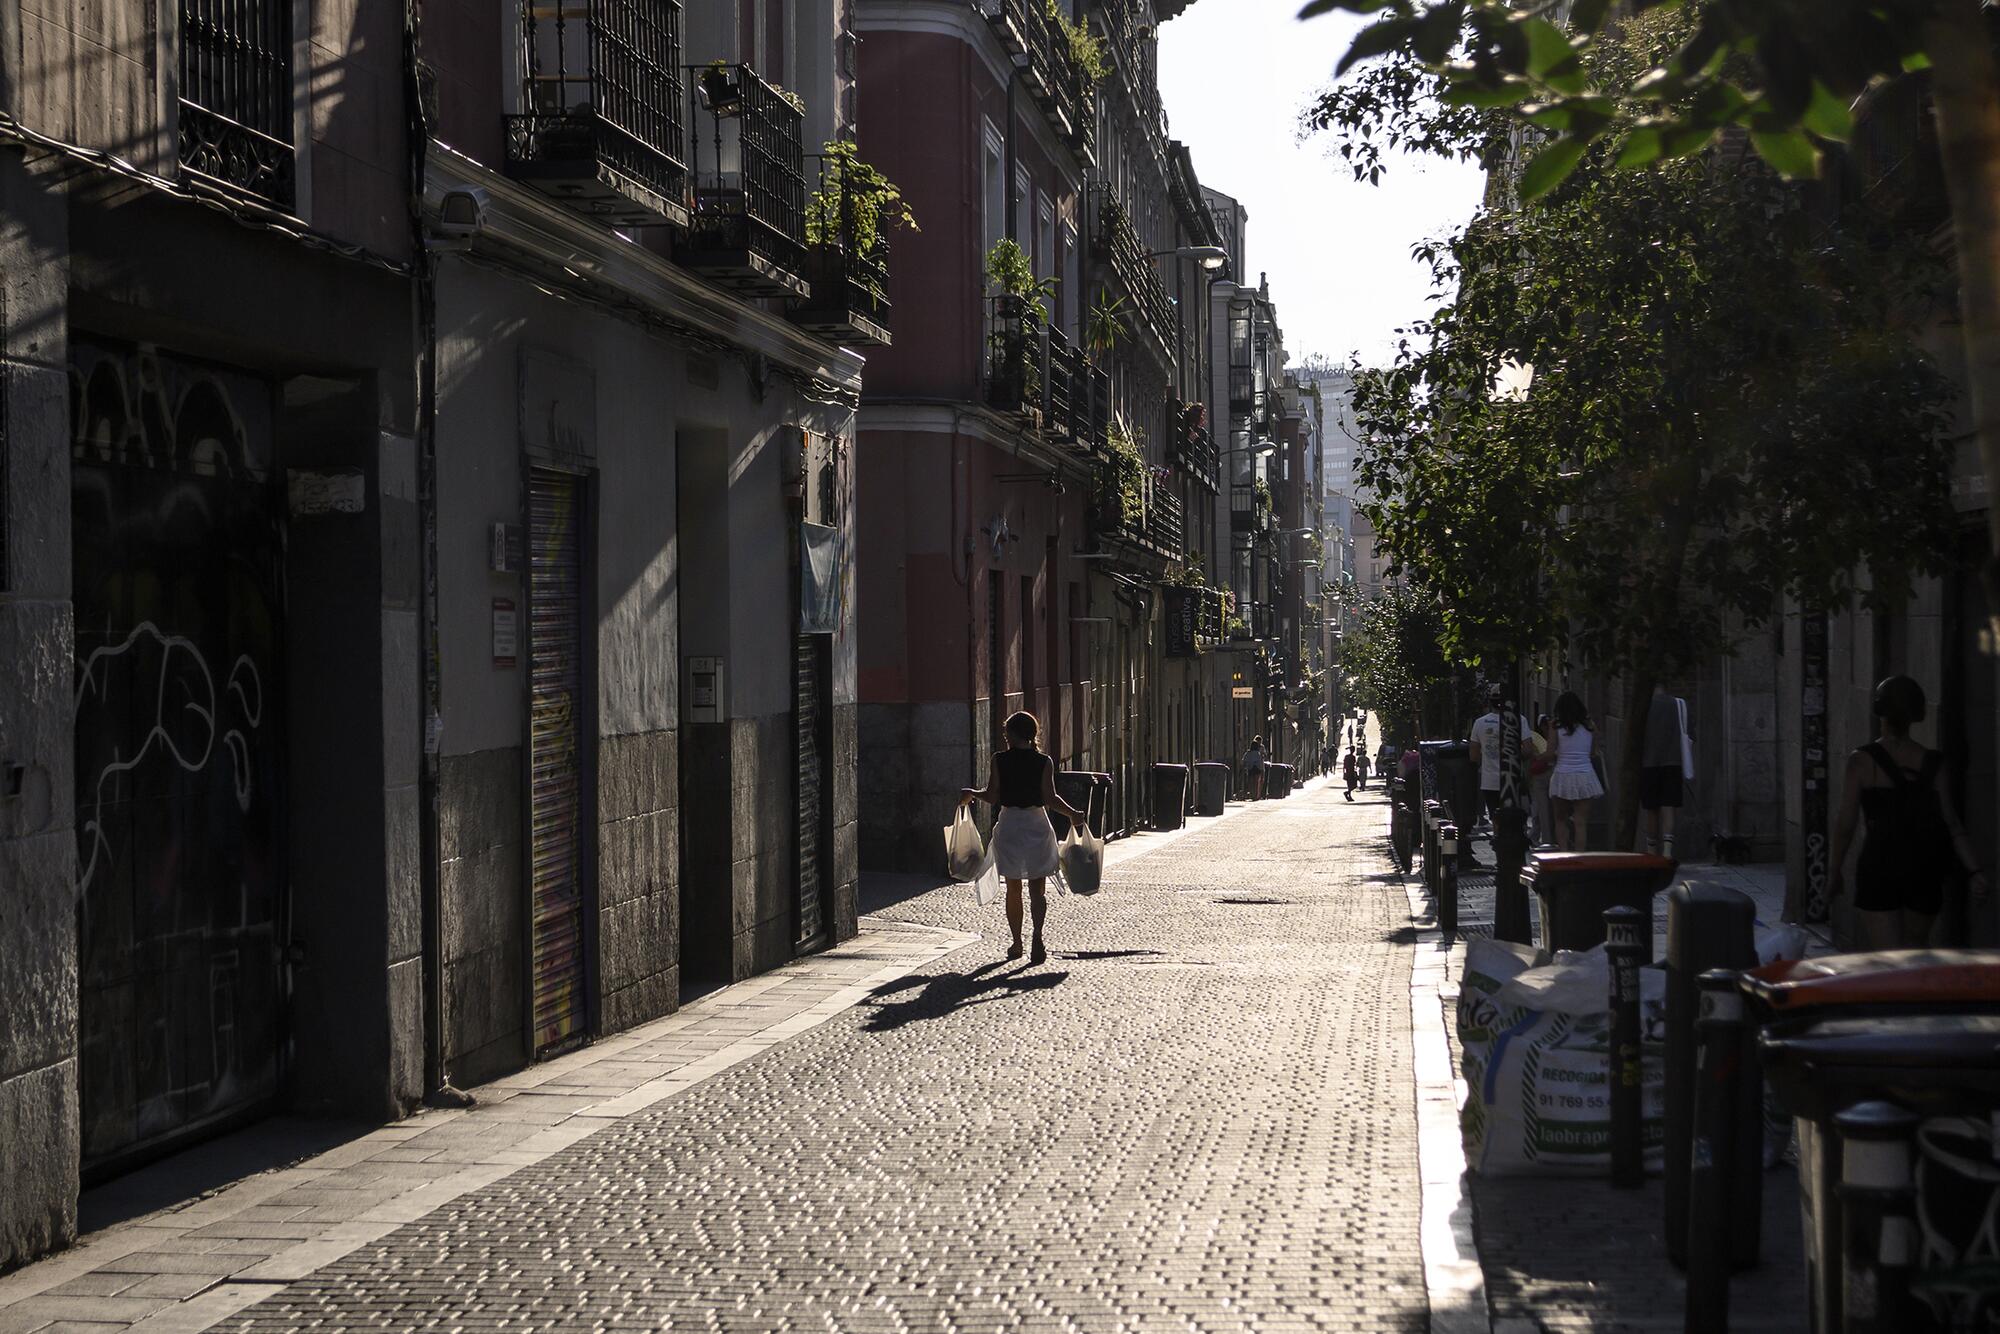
704,676
1183,621
503,548
506,632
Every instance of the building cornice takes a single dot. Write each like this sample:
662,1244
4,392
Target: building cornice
525,230
958,20
937,417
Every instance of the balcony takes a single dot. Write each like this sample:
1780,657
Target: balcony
748,231
1165,527
1117,243
1190,449
1076,401
849,304
1194,619
603,128
236,98
1052,76
1014,352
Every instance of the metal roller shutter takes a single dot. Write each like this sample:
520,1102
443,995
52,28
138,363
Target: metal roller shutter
555,656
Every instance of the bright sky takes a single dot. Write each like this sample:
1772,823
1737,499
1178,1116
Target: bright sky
1234,75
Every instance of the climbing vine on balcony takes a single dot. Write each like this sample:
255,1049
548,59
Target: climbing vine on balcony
856,204
1086,51
1124,477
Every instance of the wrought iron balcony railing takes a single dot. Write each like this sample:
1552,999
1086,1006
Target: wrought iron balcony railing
602,126
1166,524
850,281
1191,449
1052,76
1117,243
236,97
748,231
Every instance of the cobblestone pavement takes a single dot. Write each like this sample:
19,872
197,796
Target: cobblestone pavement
1196,1116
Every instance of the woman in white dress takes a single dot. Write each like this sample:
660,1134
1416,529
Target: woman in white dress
1573,783
1022,783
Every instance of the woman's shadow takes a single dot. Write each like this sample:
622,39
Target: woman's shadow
942,993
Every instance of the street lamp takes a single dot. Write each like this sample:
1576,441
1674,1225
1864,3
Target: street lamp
1210,257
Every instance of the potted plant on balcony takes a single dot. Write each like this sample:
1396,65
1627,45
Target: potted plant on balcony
1121,483
848,221
721,90
1087,52
1020,308
1104,326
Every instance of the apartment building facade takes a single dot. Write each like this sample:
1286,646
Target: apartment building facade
427,521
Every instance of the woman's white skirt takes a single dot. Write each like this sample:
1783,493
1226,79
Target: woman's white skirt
1575,786
1024,843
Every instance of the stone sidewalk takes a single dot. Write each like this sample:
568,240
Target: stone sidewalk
1563,1253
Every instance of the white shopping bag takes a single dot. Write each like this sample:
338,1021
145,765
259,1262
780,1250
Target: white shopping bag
964,854
1082,857
987,889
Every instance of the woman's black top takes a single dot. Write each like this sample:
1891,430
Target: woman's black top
1908,854
1021,776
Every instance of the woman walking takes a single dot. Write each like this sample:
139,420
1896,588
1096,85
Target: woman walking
1022,783
1573,783
1914,841
1347,772
1253,768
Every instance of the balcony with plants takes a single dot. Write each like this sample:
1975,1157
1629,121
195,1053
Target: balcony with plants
1115,241
848,221
602,125
1064,64
1017,323
748,227
1191,451
1196,615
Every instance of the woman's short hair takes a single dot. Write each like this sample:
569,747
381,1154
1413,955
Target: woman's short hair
1899,701
1023,729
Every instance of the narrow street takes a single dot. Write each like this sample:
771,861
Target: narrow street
1197,1115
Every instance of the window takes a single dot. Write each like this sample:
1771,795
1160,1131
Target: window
1024,211
236,96
1045,239
994,187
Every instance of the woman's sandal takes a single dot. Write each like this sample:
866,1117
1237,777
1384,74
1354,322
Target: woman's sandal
1041,955
1014,950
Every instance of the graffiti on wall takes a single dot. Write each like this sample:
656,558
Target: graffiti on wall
177,561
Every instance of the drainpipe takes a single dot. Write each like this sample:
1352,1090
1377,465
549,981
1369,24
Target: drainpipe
438,1090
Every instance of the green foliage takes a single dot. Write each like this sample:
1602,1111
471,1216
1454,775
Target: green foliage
1723,410
1103,327
1262,493
1009,274
1190,571
1086,52
855,204
1786,70
1123,480
1393,661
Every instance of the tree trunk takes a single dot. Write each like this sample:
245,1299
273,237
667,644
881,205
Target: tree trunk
1631,750
1967,100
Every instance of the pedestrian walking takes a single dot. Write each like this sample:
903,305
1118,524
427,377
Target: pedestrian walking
1662,768
1539,769
1485,752
1573,783
1361,768
1254,760
1347,772
1913,844
1022,783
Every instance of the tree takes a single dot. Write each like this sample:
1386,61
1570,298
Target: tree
1712,405
1393,661
1787,71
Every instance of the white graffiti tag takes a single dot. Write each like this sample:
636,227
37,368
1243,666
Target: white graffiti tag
184,691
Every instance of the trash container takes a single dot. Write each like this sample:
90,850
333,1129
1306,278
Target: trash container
1920,1028
1170,793
1088,792
1574,889
1211,785
1277,780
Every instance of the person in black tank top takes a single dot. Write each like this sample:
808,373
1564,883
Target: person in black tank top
1914,845
1022,783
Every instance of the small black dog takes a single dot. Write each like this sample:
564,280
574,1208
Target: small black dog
1730,849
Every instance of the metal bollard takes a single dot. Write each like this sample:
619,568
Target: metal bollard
1878,1195
1510,854
1447,899
1718,1062
1399,824
1625,951
1433,815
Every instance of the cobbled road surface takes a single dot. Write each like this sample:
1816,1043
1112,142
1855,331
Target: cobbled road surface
1197,1115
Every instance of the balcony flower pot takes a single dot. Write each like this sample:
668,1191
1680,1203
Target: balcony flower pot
720,93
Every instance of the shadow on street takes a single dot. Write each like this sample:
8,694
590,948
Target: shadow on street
942,994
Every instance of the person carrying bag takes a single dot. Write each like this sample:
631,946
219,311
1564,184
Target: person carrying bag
1022,784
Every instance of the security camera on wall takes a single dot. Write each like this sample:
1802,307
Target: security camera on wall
461,216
